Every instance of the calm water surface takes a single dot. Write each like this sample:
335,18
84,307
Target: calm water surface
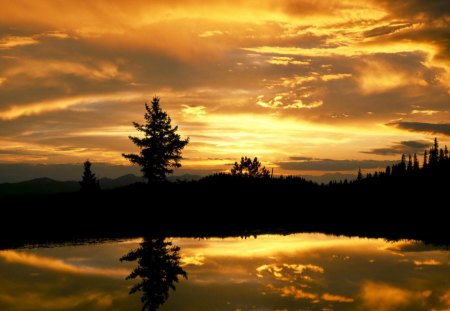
270,272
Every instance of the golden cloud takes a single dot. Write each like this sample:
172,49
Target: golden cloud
336,298
49,263
384,297
13,41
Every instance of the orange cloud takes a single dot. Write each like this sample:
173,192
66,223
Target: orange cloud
49,263
336,298
384,297
60,104
378,76
322,69
13,41
31,300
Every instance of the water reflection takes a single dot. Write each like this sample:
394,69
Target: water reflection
296,272
158,269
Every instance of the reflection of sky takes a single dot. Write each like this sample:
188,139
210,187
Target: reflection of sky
302,271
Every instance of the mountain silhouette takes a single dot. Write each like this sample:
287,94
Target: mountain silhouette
45,185
42,185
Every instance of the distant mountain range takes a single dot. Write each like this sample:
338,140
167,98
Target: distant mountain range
47,185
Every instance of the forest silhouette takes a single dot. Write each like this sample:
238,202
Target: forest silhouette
405,200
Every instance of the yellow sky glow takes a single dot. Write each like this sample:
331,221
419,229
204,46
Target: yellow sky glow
281,80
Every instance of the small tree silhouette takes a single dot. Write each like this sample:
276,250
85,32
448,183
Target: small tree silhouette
360,175
158,268
409,168
161,146
425,159
249,168
416,166
89,182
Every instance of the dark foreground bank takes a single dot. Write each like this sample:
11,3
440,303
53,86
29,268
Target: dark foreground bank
394,209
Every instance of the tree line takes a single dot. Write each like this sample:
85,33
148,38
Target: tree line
436,163
160,151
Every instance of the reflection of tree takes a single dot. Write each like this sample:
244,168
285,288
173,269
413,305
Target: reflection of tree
158,268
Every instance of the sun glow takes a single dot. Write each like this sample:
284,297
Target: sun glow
277,79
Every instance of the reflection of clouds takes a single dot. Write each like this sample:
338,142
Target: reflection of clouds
384,297
270,245
14,41
276,270
401,246
33,301
427,262
197,260
336,298
306,271
297,293
58,264
445,298
294,272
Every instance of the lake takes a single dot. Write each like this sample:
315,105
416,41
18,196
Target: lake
269,272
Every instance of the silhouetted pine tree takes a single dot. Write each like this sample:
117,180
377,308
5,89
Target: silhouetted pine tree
434,153
441,155
416,166
402,167
410,164
89,182
360,175
161,146
425,159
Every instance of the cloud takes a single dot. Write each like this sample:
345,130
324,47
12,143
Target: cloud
337,76
300,158
384,297
197,260
291,73
336,298
427,262
211,33
417,8
433,128
280,271
196,111
290,102
59,265
411,246
402,147
333,165
386,29
378,75
29,300
13,41
424,112
284,60
298,104
297,293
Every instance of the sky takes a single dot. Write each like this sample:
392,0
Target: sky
309,87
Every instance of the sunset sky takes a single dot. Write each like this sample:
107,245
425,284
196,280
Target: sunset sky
310,87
